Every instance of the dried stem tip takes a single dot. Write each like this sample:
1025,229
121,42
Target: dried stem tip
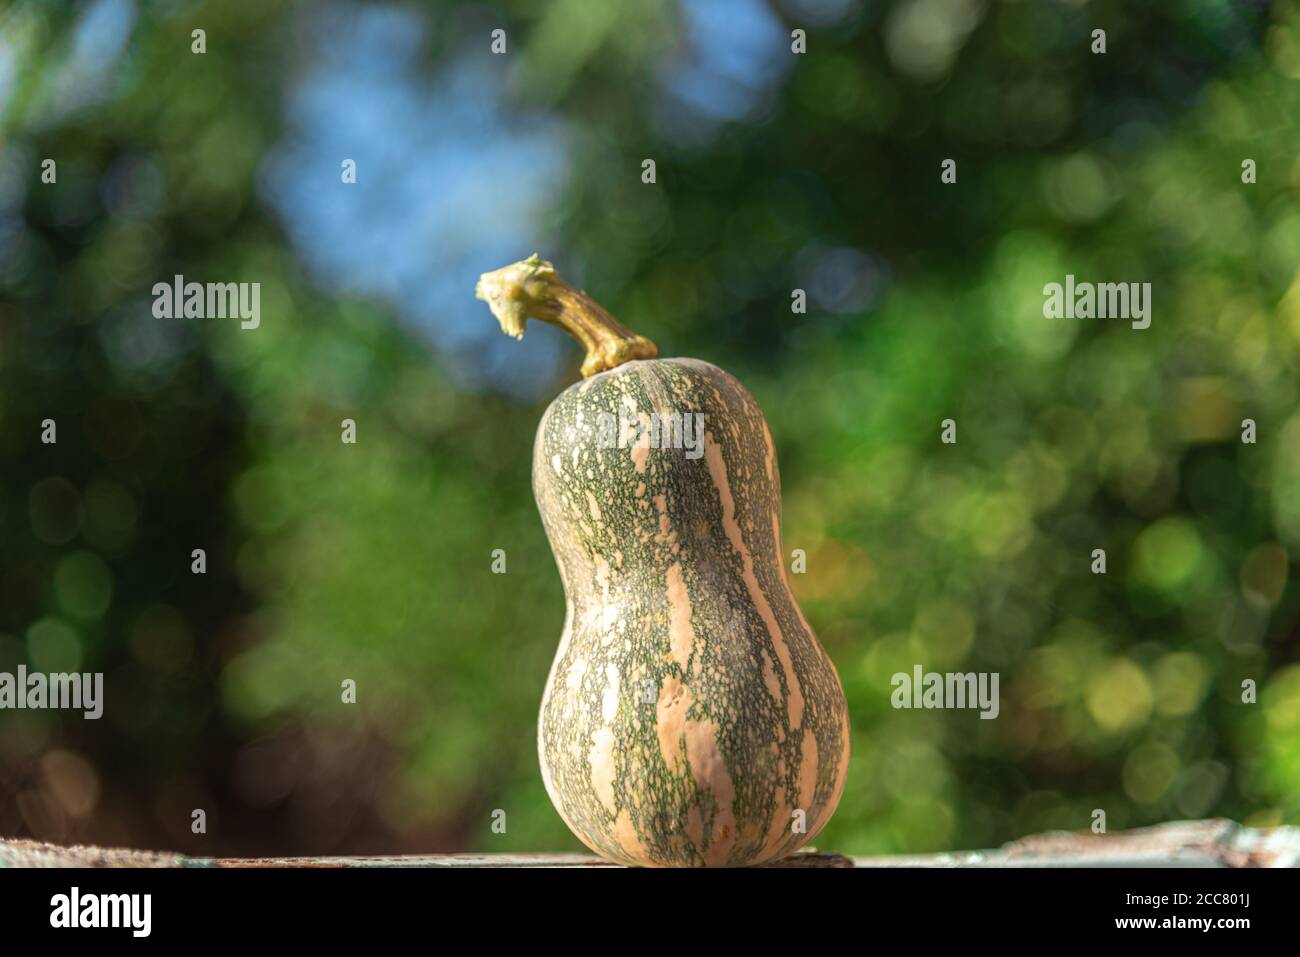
531,289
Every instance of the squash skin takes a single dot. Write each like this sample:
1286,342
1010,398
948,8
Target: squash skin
689,711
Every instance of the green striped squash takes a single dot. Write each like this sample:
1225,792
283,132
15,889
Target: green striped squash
690,717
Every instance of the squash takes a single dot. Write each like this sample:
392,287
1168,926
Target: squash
690,718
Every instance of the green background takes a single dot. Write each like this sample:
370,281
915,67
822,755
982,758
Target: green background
775,171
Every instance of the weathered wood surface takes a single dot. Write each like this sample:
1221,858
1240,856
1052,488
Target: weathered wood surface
19,853
1213,843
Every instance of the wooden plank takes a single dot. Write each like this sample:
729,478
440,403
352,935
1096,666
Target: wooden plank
21,853
1212,843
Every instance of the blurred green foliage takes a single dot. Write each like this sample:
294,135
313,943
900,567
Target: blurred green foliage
774,171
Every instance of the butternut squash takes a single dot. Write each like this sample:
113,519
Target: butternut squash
690,718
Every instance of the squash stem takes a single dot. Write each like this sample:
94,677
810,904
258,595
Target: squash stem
531,289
